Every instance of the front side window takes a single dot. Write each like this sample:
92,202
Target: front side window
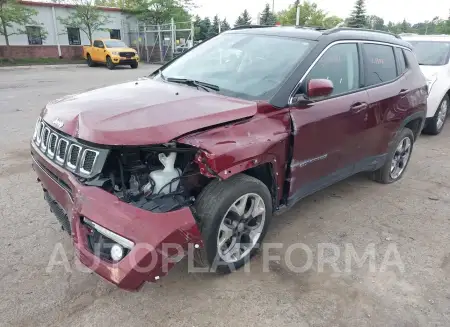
379,63
431,53
247,66
340,65
114,34
115,44
34,35
74,36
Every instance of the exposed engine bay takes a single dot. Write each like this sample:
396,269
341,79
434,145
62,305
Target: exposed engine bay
155,178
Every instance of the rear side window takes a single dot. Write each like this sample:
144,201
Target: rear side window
401,64
379,64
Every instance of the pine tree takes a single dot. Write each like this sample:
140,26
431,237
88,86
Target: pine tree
267,17
215,25
244,19
224,26
358,16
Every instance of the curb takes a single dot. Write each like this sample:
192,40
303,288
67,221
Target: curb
41,66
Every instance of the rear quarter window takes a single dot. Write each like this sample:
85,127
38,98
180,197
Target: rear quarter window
401,63
379,64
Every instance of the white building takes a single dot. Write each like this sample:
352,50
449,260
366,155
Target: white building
47,16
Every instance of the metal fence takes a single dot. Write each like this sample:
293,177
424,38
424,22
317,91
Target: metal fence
160,43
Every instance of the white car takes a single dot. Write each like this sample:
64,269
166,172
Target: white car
433,55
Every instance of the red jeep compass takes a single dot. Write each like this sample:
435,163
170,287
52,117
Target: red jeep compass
204,151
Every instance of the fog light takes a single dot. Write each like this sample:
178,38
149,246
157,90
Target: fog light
116,252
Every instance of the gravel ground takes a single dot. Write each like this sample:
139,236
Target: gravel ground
406,224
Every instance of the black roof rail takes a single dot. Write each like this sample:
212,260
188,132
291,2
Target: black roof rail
316,28
242,27
339,29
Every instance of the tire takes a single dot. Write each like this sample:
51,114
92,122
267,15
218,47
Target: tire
109,64
214,208
89,61
386,174
436,124
135,65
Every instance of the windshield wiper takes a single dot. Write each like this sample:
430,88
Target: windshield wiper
205,86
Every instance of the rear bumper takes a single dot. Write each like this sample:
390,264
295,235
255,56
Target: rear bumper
152,233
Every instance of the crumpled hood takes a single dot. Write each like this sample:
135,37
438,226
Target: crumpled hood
142,112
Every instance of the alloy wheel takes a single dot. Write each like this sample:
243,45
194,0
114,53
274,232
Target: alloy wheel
241,227
401,157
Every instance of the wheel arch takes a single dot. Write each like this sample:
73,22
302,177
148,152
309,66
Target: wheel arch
414,122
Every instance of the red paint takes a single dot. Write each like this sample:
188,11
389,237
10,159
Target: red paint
140,226
143,112
319,87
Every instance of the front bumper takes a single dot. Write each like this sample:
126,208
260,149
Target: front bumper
124,61
153,234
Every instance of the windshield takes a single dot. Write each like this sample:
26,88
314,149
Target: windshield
245,66
115,44
432,53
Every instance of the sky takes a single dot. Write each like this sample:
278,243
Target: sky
390,10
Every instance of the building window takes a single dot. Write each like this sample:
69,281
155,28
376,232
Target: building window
114,34
34,35
74,35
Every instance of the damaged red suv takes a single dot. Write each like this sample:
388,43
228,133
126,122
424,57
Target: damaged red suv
204,151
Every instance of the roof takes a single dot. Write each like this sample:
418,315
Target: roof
62,5
434,38
333,34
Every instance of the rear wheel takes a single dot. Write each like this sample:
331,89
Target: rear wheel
109,63
234,216
397,159
89,61
134,65
436,124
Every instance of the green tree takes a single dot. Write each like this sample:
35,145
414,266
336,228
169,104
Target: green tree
204,27
224,26
87,17
267,16
405,27
13,13
358,16
244,19
332,21
161,11
214,29
376,23
310,15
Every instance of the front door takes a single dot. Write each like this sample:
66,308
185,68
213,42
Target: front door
327,134
98,50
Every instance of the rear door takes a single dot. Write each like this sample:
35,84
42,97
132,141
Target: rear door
327,134
386,80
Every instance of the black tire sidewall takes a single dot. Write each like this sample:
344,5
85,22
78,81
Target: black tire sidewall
89,60
210,228
109,63
432,127
386,170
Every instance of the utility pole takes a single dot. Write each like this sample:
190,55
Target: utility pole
297,18
273,6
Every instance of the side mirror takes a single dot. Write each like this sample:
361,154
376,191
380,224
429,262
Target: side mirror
319,88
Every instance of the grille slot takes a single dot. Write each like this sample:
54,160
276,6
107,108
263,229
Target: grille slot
52,142
67,151
88,161
61,150
73,155
45,135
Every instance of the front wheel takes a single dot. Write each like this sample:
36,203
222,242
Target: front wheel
436,124
134,65
90,63
397,159
234,216
110,64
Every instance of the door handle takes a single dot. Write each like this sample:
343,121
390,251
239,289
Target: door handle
358,106
403,92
